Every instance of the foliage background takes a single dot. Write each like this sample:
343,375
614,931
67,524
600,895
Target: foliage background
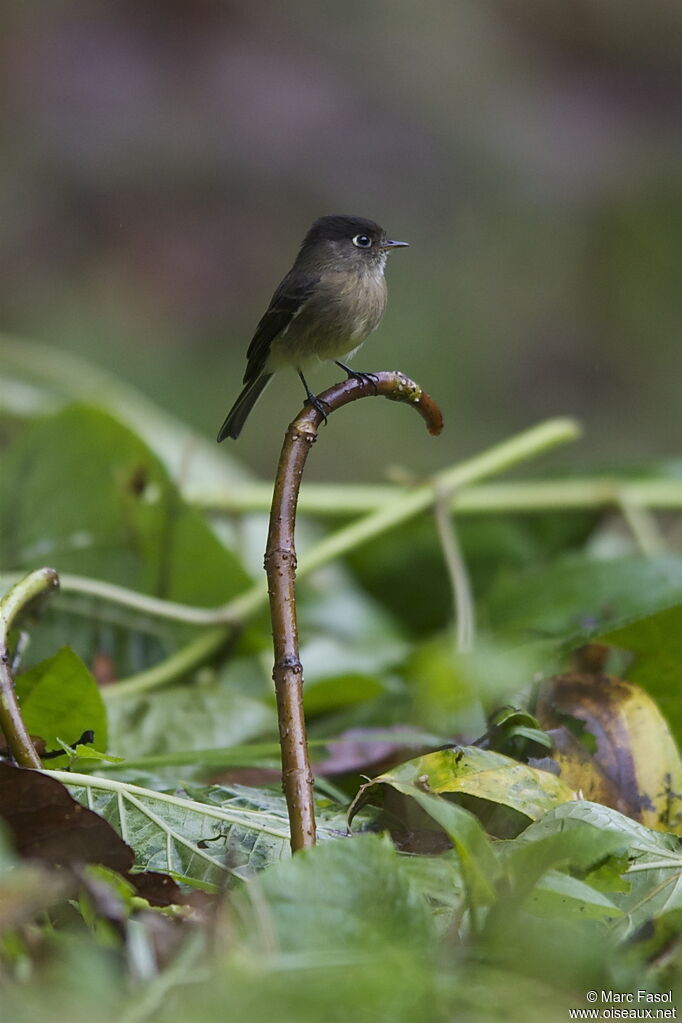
161,163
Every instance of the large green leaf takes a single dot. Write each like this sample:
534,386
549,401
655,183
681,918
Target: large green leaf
81,492
202,838
580,848
639,839
351,895
209,714
453,691
654,875
575,598
559,896
656,642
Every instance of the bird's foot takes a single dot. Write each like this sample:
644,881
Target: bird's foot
312,399
356,374
319,404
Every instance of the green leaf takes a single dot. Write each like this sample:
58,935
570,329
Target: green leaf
515,733
352,895
200,834
559,896
81,752
580,848
107,508
655,890
639,839
204,839
575,598
209,714
479,866
452,691
60,700
656,642
655,873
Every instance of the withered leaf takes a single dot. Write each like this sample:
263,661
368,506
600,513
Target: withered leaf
47,824
613,745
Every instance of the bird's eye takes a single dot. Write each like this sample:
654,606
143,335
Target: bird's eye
362,241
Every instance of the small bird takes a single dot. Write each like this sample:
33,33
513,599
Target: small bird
330,301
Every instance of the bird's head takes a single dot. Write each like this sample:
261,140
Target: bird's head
353,241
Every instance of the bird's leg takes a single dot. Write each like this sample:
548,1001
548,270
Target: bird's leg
313,400
355,374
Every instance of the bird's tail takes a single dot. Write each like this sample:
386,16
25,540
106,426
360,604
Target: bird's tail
236,417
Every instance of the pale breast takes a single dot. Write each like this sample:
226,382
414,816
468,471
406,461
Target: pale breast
343,311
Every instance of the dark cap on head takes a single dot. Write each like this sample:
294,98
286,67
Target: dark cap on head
366,235
339,226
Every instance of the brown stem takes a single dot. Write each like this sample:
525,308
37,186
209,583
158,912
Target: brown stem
25,594
280,565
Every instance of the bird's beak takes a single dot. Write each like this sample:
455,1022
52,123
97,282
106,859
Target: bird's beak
394,245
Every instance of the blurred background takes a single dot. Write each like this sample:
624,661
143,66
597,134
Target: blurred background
161,163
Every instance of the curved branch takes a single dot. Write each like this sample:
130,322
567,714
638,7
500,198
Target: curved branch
27,592
280,565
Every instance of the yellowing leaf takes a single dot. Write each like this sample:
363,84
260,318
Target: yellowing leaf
613,745
487,775
498,781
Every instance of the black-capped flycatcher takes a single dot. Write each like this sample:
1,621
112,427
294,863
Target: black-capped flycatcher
332,298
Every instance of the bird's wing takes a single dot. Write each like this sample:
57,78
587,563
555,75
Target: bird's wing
285,304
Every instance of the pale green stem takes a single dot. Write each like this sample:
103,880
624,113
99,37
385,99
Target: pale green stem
643,527
323,499
675,863
335,500
501,498
503,456
33,587
25,590
258,819
232,613
463,601
179,663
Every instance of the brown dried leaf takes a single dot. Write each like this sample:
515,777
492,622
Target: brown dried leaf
47,824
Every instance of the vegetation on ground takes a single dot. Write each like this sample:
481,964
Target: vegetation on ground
492,672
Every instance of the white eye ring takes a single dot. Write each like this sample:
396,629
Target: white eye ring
362,241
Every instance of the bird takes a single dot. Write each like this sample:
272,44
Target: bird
325,307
